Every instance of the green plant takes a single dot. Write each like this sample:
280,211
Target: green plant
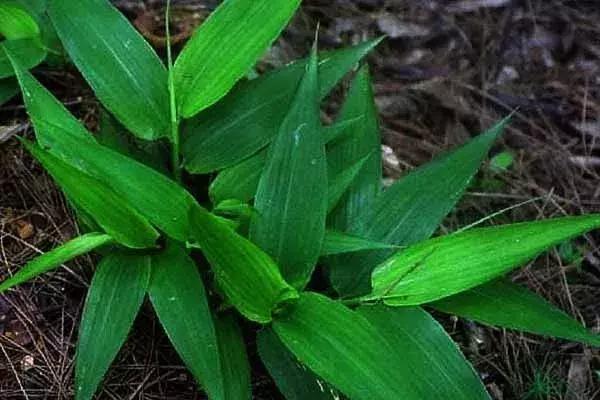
289,196
26,31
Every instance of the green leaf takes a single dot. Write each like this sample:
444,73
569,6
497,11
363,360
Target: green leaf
436,364
241,180
251,115
291,201
247,275
16,23
502,161
341,183
121,67
345,349
411,209
338,243
178,296
502,303
232,256
294,380
142,187
50,118
115,136
450,264
234,360
36,7
27,51
225,47
339,128
358,145
47,33
8,89
48,261
116,294
107,208
359,141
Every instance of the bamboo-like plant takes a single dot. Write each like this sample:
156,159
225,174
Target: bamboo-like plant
288,195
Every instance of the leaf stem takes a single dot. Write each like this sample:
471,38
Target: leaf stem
175,162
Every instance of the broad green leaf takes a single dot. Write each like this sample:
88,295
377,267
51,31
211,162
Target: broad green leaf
232,256
346,350
108,209
241,180
121,67
502,303
114,299
294,380
16,22
360,144
251,115
54,258
359,141
8,89
47,33
338,243
178,296
234,360
411,209
27,51
225,48
437,366
50,118
246,274
35,7
142,187
291,200
450,264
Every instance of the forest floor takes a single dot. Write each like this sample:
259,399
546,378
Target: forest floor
447,70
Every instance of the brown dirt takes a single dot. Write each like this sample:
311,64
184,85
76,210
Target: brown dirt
447,71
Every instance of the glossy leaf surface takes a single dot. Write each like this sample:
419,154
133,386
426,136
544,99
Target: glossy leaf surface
247,275
54,258
115,296
504,304
27,51
345,349
225,47
437,367
98,200
291,200
251,115
143,187
294,380
241,180
234,360
411,209
338,243
124,71
179,299
16,22
450,264
358,145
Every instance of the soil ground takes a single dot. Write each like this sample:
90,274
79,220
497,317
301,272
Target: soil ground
447,71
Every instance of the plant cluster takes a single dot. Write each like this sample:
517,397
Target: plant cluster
287,196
